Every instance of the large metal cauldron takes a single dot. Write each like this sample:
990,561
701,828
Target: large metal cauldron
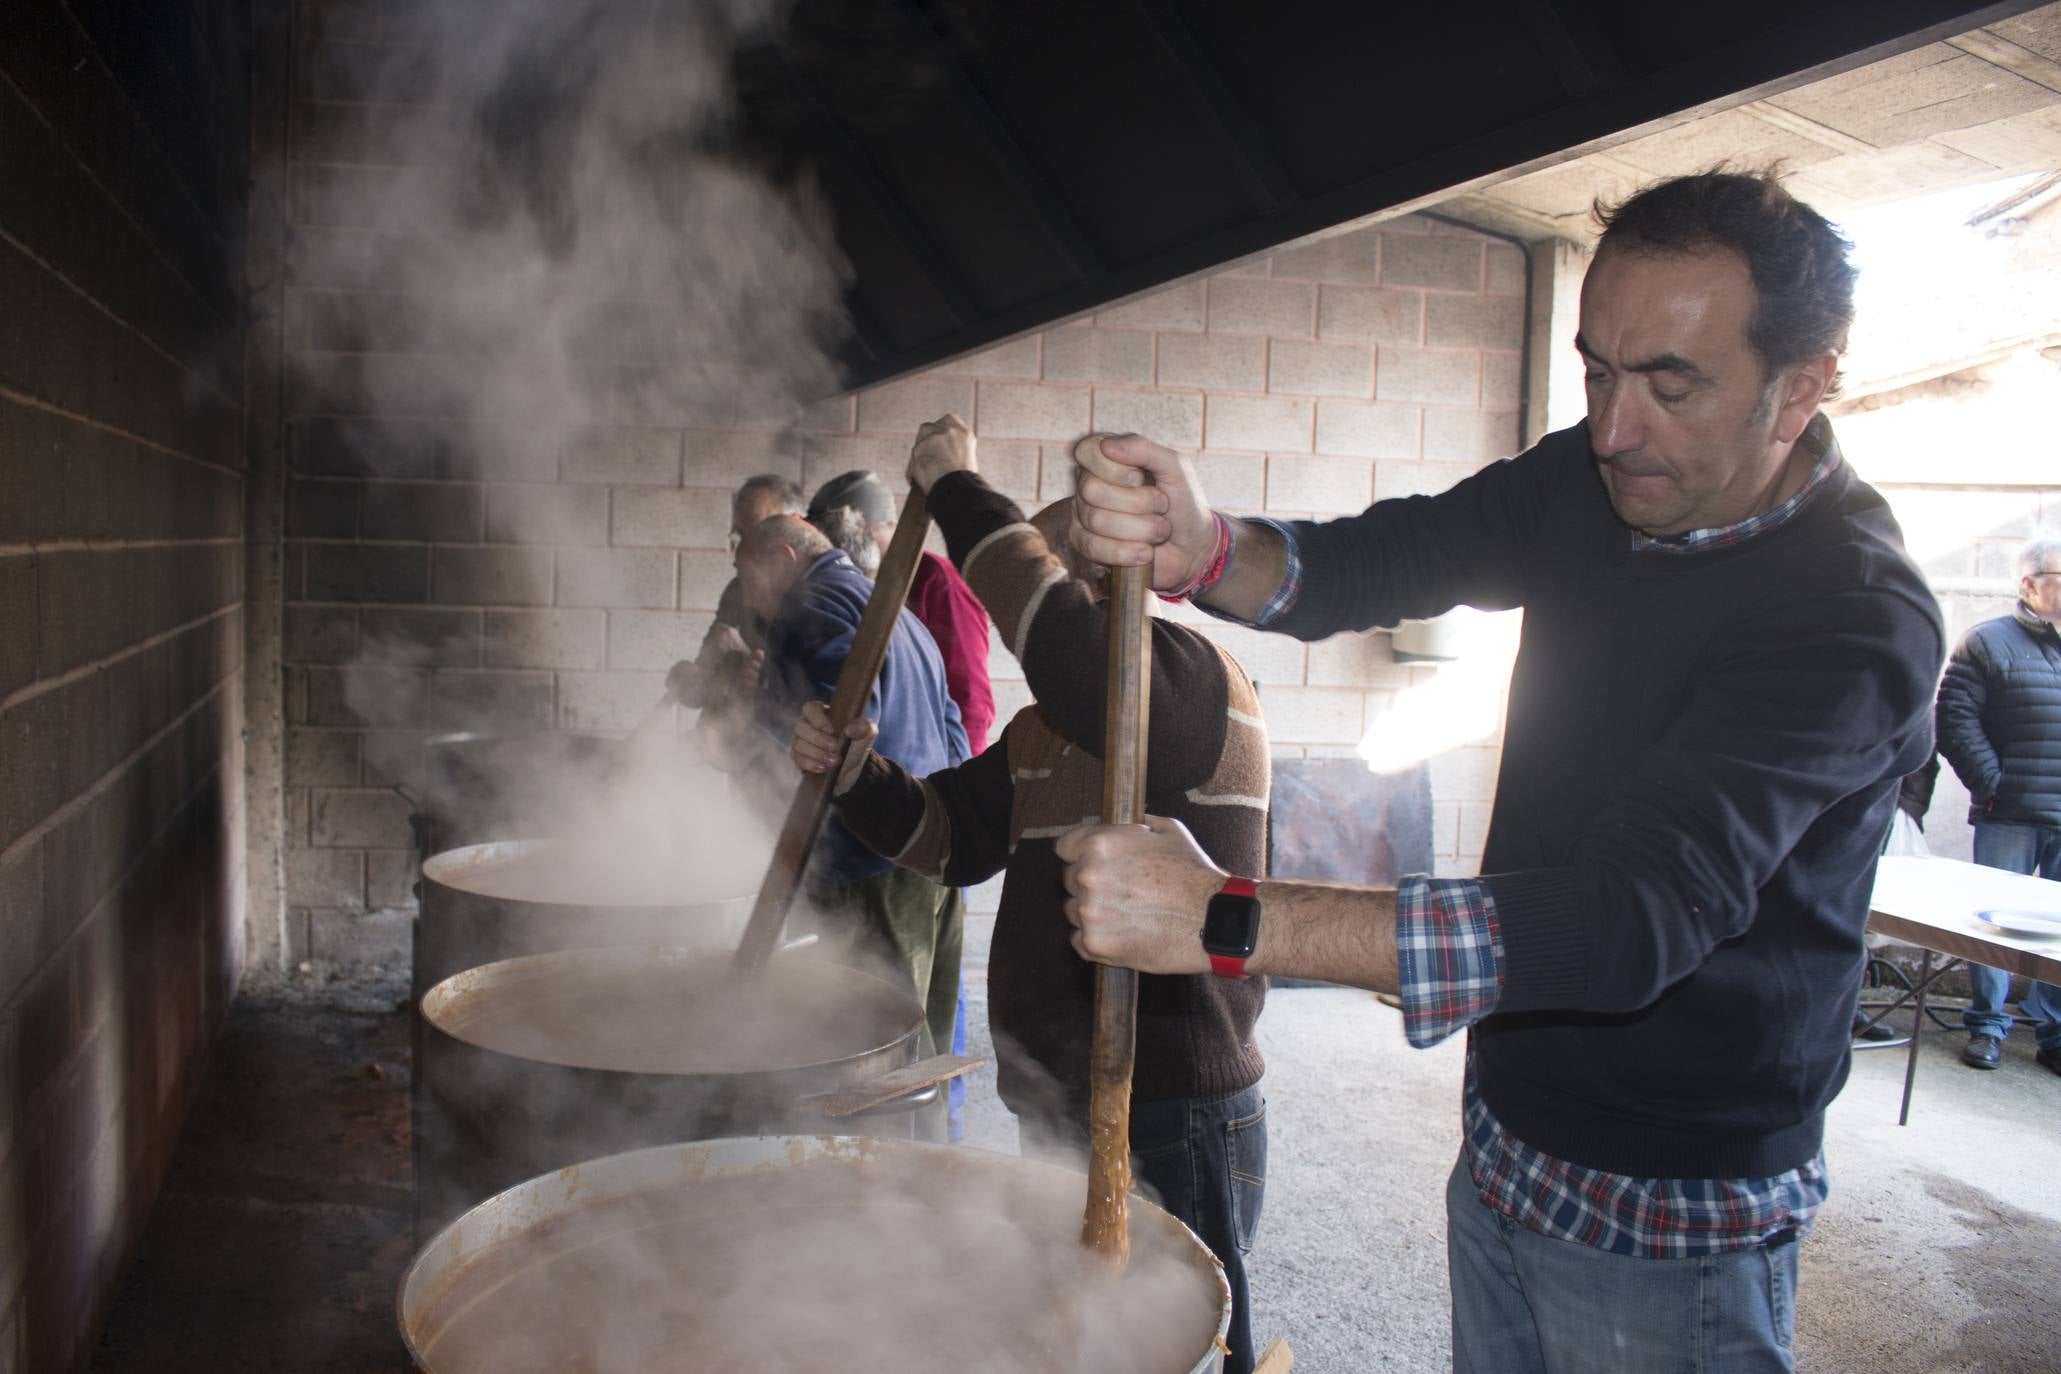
496,901
807,1253
488,902
531,1064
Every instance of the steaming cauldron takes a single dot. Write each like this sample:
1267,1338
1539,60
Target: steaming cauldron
531,1064
807,1253
488,902
496,901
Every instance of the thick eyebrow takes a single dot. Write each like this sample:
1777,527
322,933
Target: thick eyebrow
1672,363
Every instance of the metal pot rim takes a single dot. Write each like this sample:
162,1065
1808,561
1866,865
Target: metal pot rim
639,954
728,1155
448,868
449,738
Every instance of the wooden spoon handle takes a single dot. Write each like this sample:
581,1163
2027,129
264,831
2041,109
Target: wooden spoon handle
1105,1229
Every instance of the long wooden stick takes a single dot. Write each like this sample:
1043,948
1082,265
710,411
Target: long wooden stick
658,712
1105,1229
1277,1358
854,685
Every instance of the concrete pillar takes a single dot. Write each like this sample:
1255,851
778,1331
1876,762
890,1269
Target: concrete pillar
1554,386
265,497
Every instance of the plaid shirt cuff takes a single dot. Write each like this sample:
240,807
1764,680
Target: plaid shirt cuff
1283,600
1449,955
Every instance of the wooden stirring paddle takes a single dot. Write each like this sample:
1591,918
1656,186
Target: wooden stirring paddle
1277,1358
854,685
1106,1230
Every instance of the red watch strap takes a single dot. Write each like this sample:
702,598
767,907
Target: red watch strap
1231,965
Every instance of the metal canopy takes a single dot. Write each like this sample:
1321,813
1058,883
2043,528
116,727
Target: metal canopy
996,165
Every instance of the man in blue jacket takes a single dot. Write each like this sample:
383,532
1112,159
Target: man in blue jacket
1728,665
811,597
2000,727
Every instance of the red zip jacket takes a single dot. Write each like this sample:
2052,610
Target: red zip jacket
940,598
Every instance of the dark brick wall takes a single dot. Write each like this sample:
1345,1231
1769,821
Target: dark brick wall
122,137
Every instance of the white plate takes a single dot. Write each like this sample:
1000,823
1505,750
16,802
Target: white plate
2024,922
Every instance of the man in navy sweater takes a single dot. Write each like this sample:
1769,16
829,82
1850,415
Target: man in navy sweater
1727,665
810,597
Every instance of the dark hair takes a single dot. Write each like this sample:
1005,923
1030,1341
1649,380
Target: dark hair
1802,278
857,490
785,491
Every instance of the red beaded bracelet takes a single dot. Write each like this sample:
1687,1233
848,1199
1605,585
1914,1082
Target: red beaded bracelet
1211,574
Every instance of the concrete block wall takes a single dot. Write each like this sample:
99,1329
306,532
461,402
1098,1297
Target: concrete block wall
434,584
122,137
1380,362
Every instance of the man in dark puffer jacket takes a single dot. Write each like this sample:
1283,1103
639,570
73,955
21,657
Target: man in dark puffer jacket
1999,725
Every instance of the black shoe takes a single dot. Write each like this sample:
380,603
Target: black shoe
1880,1031
2050,1060
1983,1052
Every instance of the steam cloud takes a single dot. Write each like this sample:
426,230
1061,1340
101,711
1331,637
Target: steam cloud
578,242
574,250
573,247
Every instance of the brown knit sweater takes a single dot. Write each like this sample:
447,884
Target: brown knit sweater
1206,765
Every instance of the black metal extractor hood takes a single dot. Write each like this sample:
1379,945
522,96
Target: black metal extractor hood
995,165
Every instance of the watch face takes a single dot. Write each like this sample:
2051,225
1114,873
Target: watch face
1231,925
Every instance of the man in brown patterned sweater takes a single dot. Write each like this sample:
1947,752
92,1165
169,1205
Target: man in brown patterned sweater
1198,1121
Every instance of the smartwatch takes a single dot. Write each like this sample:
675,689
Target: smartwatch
1230,928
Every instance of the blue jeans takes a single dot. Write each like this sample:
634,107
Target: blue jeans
955,1092
2020,849
1524,1303
1205,1160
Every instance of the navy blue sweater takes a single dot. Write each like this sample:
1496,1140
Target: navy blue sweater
1700,760
806,646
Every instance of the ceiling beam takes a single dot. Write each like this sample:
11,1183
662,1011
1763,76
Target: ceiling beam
1824,135
1999,51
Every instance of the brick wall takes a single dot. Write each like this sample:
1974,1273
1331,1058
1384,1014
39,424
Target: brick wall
435,582
434,589
1375,363
121,491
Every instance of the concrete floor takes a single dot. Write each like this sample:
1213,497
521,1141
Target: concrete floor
284,1226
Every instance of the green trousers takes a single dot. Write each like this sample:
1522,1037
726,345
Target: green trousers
916,927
